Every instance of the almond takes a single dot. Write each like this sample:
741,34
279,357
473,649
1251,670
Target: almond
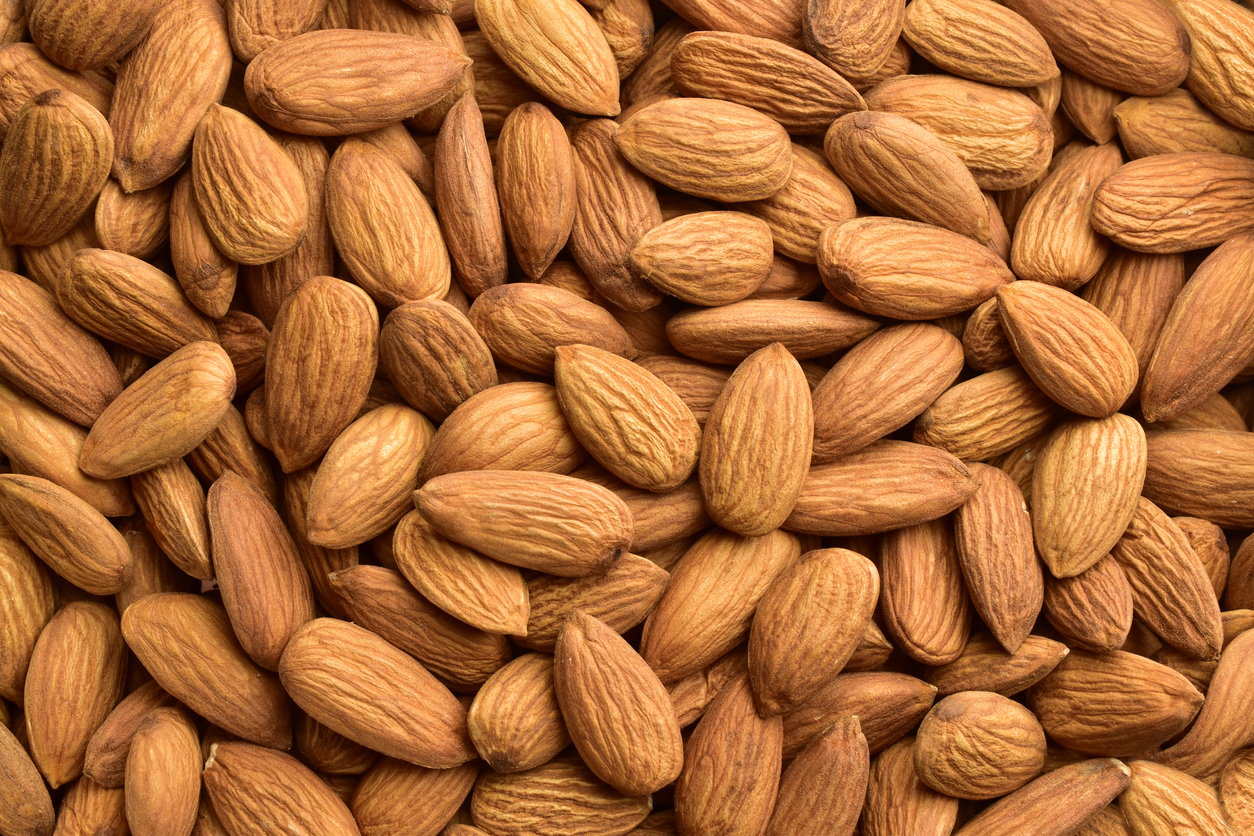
29,73
931,627
163,774
986,666
25,806
257,24
1056,803
680,257
535,178
245,339
987,416
854,41
1163,799
230,447
708,148
697,384
979,40
186,642
887,705
1175,123
984,342
328,752
434,356
693,694
286,83
400,799
1202,473
1090,107
955,739
172,501
1236,792
516,722
1093,609
81,36
137,224
1219,71
29,591
657,519
898,802
105,760
730,333
822,790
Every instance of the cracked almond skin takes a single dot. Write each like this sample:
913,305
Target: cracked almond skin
888,706
1085,488
29,592
898,802
618,713
788,85
986,666
1055,804
556,48
705,258
358,685
164,415
980,40
535,179
71,537
515,721
1160,799
978,745
435,357
907,270
732,765
187,644
1115,704
627,418
286,84
708,148
163,774
25,806
925,605
81,35
823,789
400,799
904,170
756,446
1220,72
1092,610
544,521
54,164
254,790
187,41
798,641
76,676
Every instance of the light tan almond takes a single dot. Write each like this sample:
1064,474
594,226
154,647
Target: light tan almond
1219,66
535,179
515,721
562,796
328,752
138,223
853,40
980,40
29,592
230,447
823,789
400,799
257,24
163,774
779,20
29,72
434,356
1175,123
1090,107
1202,473
1162,799
206,275
730,333
705,258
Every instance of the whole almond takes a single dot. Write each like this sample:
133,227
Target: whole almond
400,799
853,40
328,752
730,333
535,178
434,355
1090,106
25,806
257,24
559,797
774,19
286,83
823,789
138,223
887,705
931,628
1056,803
1219,71
28,590
105,759
979,40
1093,609
80,36
163,774
172,501
986,666
682,256
187,644
1159,798
950,753
1174,123
515,721
898,802
709,148
987,416
43,197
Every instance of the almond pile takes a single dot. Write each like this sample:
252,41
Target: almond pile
593,417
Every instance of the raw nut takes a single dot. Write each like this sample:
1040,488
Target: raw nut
793,88
186,643
515,721
187,41
626,418
697,384
774,19
732,765
628,28
322,356
853,39
615,708
1202,473
822,790
980,40
172,501
984,343
287,83
978,745
1174,123
1055,804
1085,489
249,785
907,270
559,798
730,333
923,596
898,802
1115,703
807,625
76,676
25,806
28,591
535,179
1164,800
400,799
137,223
986,666
328,752
163,774
258,24
708,148
1219,64
1093,609
230,447
357,684
69,535
556,48
1090,107
904,170
105,760
81,35
705,258
1137,46
987,416
1236,790
887,705
55,161
658,520
245,339
30,73
756,447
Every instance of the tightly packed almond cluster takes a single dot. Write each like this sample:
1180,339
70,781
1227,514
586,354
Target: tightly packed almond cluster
605,417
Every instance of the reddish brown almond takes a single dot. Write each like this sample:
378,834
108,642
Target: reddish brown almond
754,457
360,686
1216,34
77,672
105,759
186,642
898,802
535,178
163,774
925,605
286,83
979,40
515,721
1092,609
730,333
986,666
887,705
1086,464
562,796
1057,803
434,356
28,589
400,799
25,806
823,789
798,643
72,537
164,415
137,224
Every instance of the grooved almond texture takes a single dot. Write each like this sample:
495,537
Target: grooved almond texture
1055,804
705,258
105,760
25,806
400,799
1093,609
535,179
434,356
561,798
853,39
515,721
257,24
980,40
1219,59
163,774
28,589
172,501
924,600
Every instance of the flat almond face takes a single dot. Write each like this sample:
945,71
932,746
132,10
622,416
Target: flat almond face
706,258
563,794
351,680
618,713
874,265
708,148
535,178
756,448
164,415
286,84
43,196
557,48
980,40
627,418
515,721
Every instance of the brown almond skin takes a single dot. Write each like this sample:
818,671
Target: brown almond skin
730,333
1093,609
562,796
979,40
69,535
986,666
295,798
230,447
888,706
618,713
697,384
1235,790
50,357
30,73
257,24
164,415
138,223
285,83
732,766
754,460
898,802
516,722
682,256
931,627
328,752
400,799
535,179
1056,803
657,519
105,759
163,774
352,681
25,806
854,41
1174,123
80,36
1115,704
903,170
1090,107
88,807
1164,799
708,148
265,589
435,357
29,591
43,196
322,357
823,793
188,40
186,642
245,339
693,694
1214,487
1216,32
